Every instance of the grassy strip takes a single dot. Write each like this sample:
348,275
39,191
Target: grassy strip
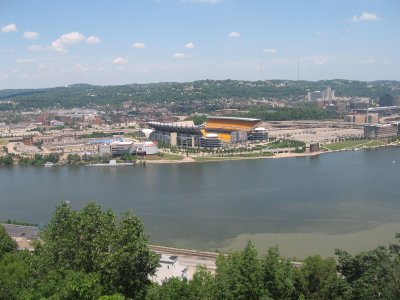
353,144
232,156
213,158
3,142
166,156
375,143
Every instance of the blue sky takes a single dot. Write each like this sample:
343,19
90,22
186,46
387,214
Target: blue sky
46,43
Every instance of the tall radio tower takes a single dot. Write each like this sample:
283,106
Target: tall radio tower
298,68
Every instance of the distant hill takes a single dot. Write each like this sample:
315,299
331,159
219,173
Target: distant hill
85,95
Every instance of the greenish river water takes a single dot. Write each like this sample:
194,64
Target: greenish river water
347,200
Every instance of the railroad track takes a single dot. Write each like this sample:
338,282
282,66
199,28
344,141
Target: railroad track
186,252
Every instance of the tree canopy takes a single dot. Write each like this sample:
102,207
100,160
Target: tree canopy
93,254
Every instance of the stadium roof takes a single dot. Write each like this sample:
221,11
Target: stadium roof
173,127
234,118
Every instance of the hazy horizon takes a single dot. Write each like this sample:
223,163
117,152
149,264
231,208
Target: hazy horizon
182,82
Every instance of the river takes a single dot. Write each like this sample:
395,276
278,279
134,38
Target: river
345,200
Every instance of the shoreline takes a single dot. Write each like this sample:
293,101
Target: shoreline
209,159
275,156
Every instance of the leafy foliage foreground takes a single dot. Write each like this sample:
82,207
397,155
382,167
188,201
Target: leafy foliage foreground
92,254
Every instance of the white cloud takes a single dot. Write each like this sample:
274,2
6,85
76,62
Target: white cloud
58,46
24,60
35,48
270,50
139,45
234,34
367,61
189,45
93,40
30,35
120,61
79,68
365,16
72,38
67,39
179,55
9,28
10,50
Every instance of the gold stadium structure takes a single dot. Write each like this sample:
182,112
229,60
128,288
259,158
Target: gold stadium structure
215,132
225,126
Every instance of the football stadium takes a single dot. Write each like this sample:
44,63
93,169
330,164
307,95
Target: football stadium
214,133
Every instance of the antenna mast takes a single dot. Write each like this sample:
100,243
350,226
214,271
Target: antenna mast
298,68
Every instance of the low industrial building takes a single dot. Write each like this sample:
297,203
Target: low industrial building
169,268
362,118
381,131
118,148
22,235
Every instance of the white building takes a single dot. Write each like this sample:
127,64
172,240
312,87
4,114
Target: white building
169,268
148,147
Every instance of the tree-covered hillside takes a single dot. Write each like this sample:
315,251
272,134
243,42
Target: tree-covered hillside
84,95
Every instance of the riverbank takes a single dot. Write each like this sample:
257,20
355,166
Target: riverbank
177,159
199,159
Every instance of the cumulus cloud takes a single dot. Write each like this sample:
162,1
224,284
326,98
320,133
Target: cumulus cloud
35,48
365,17
189,45
24,60
93,40
139,45
67,39
179,55
119,61
234,34
270,50
58,46
9,28
30,35
72,38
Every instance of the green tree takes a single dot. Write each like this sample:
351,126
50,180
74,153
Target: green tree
94,242
277,275
318,279
67,284
172,289
15,275
73,158
201,284
371,274
7,244
239,275
6,160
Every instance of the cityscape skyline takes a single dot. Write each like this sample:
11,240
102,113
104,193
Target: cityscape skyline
50,44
